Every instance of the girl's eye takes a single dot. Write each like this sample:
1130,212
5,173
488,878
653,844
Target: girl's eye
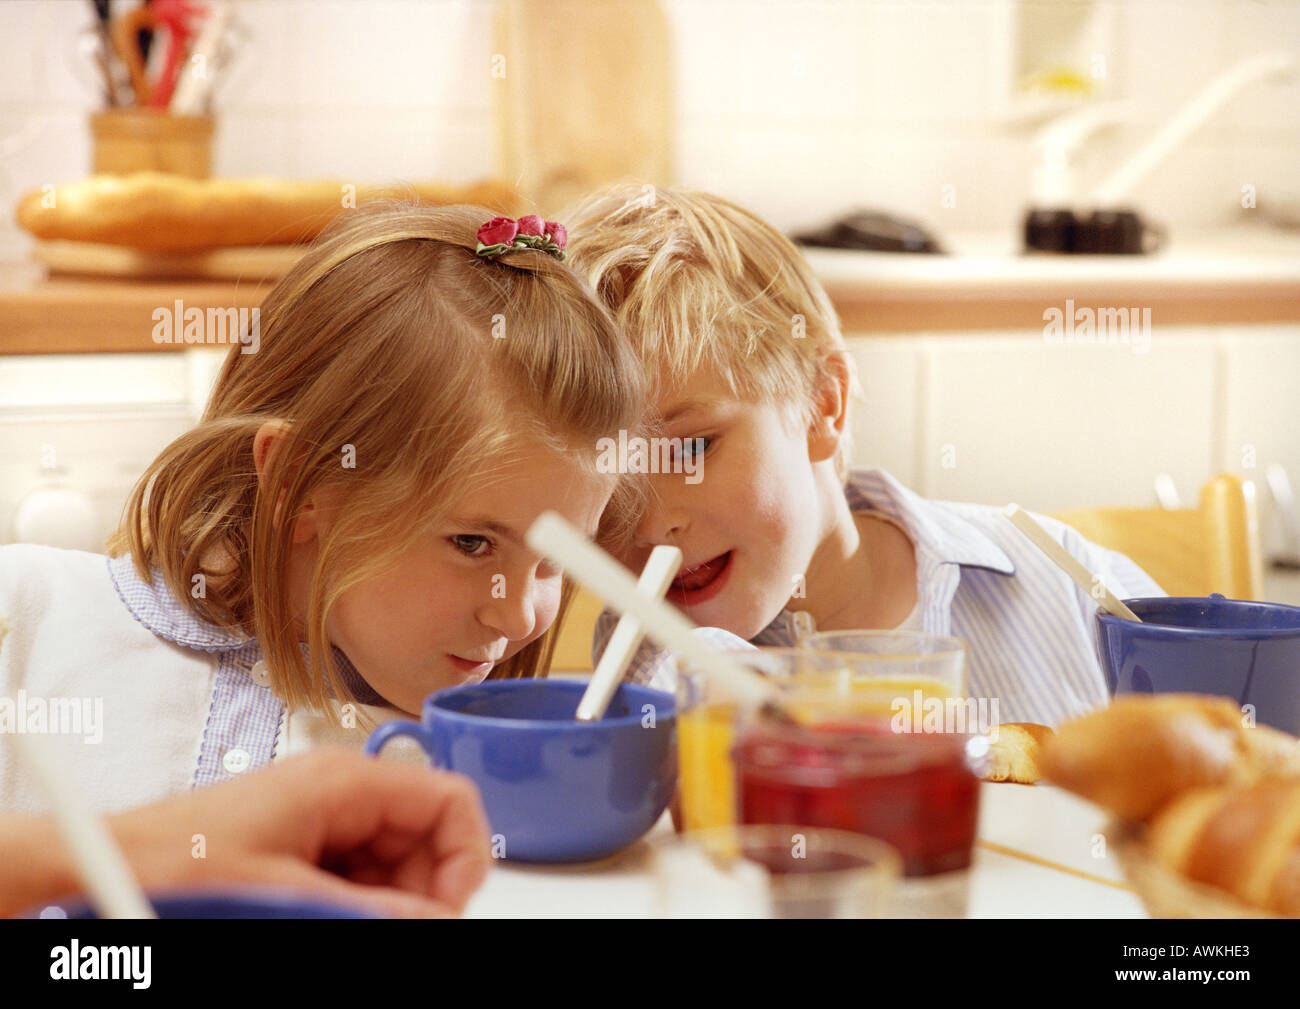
472,546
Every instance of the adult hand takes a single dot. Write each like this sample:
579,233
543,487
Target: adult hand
395,839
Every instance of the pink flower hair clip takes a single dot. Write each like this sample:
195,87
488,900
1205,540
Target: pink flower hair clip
502,234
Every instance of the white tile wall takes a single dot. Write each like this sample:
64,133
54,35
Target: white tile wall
800,109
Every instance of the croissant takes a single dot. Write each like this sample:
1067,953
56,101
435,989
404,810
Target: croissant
1245,841
1136,755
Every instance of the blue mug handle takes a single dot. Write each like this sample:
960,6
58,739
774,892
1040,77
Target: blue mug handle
389,730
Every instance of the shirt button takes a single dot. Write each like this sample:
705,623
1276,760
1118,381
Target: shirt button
802,625
236,761
261,674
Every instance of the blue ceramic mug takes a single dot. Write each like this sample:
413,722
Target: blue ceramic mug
554,789
1247,651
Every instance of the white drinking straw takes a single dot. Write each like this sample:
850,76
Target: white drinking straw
656,576
591,567
112,889
1084,578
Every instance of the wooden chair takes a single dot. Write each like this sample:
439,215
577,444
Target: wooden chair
573,649
1188,551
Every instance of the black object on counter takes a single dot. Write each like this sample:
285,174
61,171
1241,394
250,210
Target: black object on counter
1108,232
873,231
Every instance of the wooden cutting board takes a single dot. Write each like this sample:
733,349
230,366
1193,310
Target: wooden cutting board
248,263
584,97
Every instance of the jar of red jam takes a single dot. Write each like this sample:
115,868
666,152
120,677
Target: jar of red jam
916,791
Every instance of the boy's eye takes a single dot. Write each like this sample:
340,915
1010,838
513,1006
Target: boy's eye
693,448
472,546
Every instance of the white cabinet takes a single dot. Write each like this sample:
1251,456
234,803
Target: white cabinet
884,419
1053,426
1001,416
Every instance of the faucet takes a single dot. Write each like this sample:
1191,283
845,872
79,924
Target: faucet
1276,66
1053,184
1060,221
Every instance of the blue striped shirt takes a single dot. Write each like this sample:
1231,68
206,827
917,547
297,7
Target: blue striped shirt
1031,630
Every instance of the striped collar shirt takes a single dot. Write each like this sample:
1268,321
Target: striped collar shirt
245,715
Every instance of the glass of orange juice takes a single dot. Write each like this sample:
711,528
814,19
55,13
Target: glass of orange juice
706,787
914,673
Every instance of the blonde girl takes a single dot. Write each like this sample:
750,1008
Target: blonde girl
342,532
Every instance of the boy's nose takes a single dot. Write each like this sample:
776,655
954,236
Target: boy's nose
662,523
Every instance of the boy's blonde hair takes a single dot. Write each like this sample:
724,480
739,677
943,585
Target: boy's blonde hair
391,341
695,281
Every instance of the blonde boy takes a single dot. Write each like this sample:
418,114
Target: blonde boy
748,367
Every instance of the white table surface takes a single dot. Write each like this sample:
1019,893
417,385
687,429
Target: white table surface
1034,859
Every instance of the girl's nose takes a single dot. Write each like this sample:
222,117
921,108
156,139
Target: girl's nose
511,612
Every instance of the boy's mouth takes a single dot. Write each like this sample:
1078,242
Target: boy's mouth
700,582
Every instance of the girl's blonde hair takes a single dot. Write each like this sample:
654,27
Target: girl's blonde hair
695,281
393,344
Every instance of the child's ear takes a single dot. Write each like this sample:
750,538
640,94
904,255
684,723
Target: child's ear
273,437
830,406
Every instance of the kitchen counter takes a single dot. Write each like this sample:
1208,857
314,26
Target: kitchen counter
1234,276
993,262
40,314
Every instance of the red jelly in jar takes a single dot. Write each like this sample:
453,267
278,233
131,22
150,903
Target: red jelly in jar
916,791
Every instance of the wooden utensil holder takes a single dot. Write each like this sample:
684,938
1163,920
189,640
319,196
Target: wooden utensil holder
139,140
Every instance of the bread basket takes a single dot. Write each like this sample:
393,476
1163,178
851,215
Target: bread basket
1166,894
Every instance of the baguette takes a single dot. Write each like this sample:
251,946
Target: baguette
170,213
1136,755
1015,752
